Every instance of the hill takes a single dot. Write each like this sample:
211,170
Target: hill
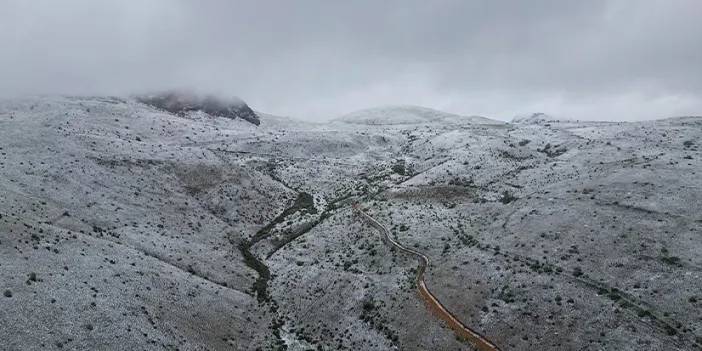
397,115
124,226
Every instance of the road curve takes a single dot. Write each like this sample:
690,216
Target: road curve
461,330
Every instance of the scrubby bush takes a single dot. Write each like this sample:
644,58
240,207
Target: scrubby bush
507,197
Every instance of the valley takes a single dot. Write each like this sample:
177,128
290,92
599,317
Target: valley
127,226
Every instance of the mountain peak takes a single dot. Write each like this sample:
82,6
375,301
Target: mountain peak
537,118
405,114
179,102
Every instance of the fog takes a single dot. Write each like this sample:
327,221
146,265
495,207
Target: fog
612,60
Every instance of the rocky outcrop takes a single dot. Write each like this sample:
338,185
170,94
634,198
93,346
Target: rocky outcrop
181,102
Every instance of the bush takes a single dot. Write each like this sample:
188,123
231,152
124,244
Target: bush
671,260
507,197
577,272
399,167
368,305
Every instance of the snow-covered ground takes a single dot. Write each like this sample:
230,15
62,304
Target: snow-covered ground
397,115
123,226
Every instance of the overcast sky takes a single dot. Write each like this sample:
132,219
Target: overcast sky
594,59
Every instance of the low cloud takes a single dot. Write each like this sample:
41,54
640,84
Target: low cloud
616,60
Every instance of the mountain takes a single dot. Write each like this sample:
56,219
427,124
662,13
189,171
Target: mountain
396,115
538,118
181,102
124,226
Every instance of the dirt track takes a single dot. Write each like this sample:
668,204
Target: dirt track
461,330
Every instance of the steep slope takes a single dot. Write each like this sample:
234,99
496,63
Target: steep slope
125,229
181,102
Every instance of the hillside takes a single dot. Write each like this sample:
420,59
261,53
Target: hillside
127,226
538,118
398,115
183,102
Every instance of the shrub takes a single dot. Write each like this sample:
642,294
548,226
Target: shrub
507,197
399,167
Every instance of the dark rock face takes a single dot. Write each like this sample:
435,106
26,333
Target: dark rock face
181,102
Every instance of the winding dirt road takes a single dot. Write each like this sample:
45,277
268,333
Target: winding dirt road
461,330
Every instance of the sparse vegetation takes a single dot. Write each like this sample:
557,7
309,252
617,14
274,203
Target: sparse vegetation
131,206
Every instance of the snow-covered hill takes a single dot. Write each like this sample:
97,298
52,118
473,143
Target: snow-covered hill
125,226
538,118
397,115
180,102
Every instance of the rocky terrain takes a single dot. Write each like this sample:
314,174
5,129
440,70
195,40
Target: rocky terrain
127,225
182,103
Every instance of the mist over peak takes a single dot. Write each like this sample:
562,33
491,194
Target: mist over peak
182,101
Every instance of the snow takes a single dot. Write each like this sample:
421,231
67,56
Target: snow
538,118
407,114
173,196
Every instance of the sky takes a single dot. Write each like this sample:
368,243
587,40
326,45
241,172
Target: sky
319,59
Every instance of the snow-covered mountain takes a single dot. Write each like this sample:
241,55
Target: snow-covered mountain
125,226
397,115
538,118
180,102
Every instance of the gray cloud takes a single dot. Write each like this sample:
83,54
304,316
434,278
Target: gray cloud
315,59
